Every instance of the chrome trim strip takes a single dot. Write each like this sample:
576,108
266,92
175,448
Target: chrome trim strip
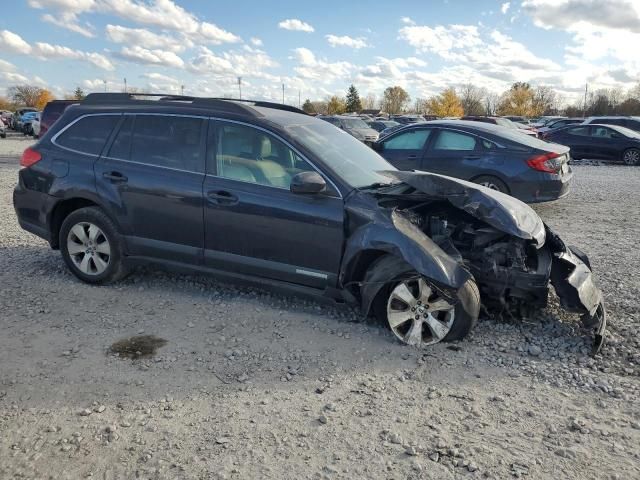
309,273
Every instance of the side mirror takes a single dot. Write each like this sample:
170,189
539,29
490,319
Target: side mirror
378,147
308,182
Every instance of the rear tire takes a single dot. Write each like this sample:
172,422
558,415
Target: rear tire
438,319
91,246
494,183
631,157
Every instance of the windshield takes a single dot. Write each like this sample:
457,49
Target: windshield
354,123
357,164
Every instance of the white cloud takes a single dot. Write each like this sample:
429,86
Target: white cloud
346,41
440,39
140,36
69,22
295,24
74,6
14,43
46,51
504,8
256,42
407,21
248,62
320,70
145,56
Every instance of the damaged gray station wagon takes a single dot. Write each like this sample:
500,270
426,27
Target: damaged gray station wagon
262,192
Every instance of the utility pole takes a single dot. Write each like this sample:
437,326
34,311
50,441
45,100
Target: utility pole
584,111
283,93
299,104
125,84
105,86
240,87
182,90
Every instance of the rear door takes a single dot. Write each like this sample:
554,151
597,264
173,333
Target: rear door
254,224
404,150
606,142
458,154
152,177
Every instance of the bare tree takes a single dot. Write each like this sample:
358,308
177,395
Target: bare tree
321,107
369,102
26,95
544,98
491,100
472,99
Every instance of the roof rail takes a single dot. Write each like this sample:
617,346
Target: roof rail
229,104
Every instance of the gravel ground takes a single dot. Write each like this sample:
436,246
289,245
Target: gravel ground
252,384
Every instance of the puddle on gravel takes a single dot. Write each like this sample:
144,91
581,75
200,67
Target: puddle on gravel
137,347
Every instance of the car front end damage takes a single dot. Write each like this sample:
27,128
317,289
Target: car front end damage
450,230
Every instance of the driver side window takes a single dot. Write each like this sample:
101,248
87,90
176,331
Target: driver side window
250,155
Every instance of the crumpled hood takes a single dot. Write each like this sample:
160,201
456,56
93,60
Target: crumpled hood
501,211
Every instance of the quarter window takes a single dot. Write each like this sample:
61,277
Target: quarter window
411,140
168,141
250,155
89,134
448,140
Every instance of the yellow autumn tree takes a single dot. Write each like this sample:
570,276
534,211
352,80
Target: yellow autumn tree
336,106
447,104
518,100
44,97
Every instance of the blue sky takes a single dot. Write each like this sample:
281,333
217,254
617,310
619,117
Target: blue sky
319,48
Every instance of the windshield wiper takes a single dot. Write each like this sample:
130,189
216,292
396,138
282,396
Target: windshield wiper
376,186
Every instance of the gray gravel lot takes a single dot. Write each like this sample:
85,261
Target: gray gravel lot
253,384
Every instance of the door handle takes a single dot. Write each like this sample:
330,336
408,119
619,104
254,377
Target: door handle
115,177
412,156
472,157
222,197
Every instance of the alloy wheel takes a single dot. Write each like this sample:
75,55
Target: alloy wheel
490,185
631,157
417,314
88,248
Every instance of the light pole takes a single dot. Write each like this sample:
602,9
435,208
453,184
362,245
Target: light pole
105,86
125,84
182,90
240,87
283,93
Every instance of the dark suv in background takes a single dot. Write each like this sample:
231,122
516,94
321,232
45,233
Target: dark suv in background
52,112
264,193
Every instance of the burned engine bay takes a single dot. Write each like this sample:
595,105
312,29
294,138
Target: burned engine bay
449,230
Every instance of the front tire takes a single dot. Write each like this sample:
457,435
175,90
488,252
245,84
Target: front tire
91,246
418,314
631,157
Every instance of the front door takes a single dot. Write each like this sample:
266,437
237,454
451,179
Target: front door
254,224
459,154
404,150
152,179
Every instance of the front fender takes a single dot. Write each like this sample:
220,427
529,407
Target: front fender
392,233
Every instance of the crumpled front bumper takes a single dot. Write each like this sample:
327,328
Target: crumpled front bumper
573,281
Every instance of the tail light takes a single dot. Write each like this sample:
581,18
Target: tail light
549,163
30,157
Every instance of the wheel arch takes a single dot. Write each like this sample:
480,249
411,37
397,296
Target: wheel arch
64,208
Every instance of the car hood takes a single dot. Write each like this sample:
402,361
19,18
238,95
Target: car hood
497,209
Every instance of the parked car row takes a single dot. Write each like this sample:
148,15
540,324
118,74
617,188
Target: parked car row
30,121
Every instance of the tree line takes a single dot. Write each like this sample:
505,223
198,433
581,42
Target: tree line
521,99
32,96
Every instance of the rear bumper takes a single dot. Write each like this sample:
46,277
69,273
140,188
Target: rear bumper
545,188
33,210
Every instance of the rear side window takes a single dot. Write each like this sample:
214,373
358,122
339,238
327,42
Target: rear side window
448,140
89,134
168,141
121,146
